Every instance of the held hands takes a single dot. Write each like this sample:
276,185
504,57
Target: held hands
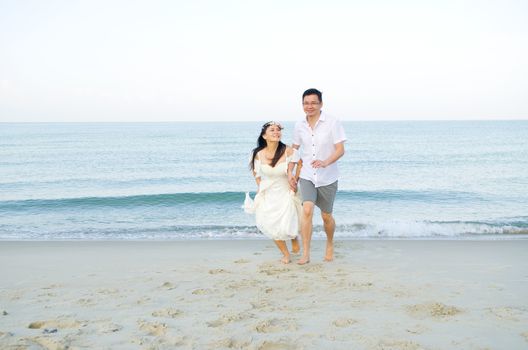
293,182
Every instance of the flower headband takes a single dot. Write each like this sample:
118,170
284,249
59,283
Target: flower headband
272,123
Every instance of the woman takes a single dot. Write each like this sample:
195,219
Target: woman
277,208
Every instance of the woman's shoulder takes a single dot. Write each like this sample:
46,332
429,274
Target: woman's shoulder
253,157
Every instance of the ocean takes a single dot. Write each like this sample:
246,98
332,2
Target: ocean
182,180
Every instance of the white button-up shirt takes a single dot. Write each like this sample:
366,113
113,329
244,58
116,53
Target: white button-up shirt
318,143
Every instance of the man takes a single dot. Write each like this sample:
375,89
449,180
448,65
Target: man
321,138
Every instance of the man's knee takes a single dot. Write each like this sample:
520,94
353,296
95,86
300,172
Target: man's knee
308,209
327,217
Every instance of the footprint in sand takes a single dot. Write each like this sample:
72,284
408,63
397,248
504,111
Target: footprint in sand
110,328
59,324
271,269
242,261
507,313
313,267
217,271
435,310
276,325
151,328
361,285
167,286
108,291
167,313
417,329
344,322
399,345
202,291
276,345
398,293
230,343
51,295
48,343
304,288
245,283
143,300
261,305
52,286
86,302
16,295
165,342
230,318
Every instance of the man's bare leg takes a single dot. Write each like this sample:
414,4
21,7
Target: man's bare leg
329,227
284,250
306,231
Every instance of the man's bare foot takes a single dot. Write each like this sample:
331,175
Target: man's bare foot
303,260
329,251
295,246
285,260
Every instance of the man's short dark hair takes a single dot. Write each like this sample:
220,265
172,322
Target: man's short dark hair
313,92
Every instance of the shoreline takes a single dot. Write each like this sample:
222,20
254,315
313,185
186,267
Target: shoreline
319,238
377,294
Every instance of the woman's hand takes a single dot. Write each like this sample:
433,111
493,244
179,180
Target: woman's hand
292,180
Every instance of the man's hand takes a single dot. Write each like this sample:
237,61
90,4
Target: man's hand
319,164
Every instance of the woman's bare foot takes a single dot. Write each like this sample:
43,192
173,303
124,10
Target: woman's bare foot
329,251
303,260
285,260
296,248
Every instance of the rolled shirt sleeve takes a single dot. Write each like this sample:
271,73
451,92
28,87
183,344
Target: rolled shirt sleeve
296,156
338,132
297,140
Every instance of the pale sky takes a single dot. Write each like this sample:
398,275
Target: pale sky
251,60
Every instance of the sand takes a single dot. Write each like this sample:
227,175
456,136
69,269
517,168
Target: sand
384,294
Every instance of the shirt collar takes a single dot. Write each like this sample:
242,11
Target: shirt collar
322,118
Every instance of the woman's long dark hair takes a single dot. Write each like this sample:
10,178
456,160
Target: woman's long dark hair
261,144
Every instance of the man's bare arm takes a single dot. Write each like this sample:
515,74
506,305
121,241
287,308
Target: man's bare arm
338,153
292,179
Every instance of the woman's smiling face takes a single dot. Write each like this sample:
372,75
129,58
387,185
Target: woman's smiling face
273,133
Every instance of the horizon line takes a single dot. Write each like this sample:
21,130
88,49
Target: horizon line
244,121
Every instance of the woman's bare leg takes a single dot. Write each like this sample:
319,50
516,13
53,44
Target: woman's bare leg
284,250
296,248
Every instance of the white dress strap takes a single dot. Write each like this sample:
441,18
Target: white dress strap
256,167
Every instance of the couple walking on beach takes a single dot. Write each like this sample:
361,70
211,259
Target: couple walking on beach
293,180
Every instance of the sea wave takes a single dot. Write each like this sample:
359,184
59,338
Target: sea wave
125,201
194,198
454,229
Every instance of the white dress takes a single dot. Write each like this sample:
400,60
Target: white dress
277,208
